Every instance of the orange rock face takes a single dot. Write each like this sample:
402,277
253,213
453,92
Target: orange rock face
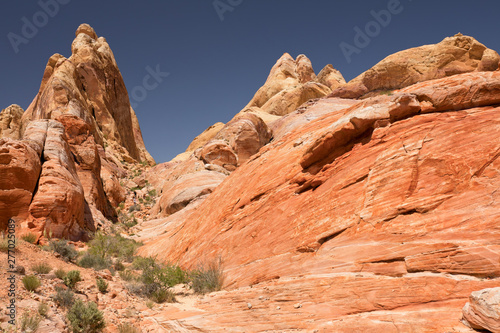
384,210
58,204
10,122
454,55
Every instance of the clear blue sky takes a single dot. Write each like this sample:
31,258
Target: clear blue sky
216,66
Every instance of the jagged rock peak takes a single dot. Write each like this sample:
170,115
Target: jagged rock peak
86,29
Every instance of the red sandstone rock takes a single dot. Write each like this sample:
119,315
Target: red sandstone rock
58,205
368,212
19,171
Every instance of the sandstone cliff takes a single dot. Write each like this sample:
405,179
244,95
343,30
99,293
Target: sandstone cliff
62,174
378,214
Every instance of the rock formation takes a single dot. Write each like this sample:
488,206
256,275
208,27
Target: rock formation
454,55
10,122
380,213
75,134
482,312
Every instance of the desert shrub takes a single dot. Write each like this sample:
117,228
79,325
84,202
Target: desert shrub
150,304
72,278
67,251
43,309
119,266
90,260
60,273
207,278
101,285
114,246
167,276
134,208
29,237
127,275
142,263
30,323
86,318
162,295
128,328
4,243
64,298
41,268
129,223
31,282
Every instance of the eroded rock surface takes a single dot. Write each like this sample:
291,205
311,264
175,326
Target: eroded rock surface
454,55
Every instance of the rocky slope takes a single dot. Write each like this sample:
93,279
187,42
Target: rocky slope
371,215
374,212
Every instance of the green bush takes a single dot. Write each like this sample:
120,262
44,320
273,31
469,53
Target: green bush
86,318
208,279
127,275
97,262
142,263
41,268
67,251
133,208
30,238
31,282
162,295
167,276
72,278
119,266
101,285
60,273
128,328
43,309
30,323
64,298
113,246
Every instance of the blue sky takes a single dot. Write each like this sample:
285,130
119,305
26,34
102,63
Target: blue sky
215,66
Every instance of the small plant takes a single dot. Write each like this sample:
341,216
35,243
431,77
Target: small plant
67,251
144,263
29,237
43,309
60,273
72,278
30,323
86,318
64,298
119,266
133,208
4,244
31,282
90,260
162,295
208,279
41,268
386,92
150,304
101,285
127,275
127,328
